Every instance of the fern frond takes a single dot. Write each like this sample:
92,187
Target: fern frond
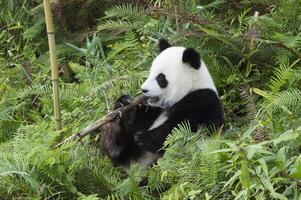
124,11
219,70
267,23
36,89
6,112
288,101
188,160
33,31
281,75
130,43
16,166
155,183
282,57
178,134
7,129
89,197
67,91
113,25
251,109
292,41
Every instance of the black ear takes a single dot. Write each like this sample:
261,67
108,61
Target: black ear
192,57
163,44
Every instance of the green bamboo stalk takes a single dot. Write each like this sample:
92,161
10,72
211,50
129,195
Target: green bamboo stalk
53,62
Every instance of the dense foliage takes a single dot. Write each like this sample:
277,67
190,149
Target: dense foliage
255,62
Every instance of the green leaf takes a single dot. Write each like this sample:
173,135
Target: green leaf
260,92
266,182
232,179
288,135
277,195
221,151
60,169
73,189
245,175
256,148
281,157
296,173
264,167
249,131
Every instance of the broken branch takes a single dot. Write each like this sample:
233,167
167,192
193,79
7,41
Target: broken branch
102,121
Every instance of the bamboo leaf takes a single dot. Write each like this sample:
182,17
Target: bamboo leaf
266,182
245,175
296,172
248,132
264,166
232,179
288,135
260,92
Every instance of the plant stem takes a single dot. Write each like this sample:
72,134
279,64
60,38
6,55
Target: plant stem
53,62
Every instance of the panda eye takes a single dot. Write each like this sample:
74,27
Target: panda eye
160,77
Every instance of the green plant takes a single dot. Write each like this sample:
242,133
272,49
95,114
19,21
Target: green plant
255,62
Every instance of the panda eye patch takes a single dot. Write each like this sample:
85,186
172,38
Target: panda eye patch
161,79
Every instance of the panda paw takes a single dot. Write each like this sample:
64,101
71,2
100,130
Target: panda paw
122,101
143,140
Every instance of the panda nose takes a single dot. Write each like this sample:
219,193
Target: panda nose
143,90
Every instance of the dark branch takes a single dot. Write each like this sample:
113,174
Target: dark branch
102,121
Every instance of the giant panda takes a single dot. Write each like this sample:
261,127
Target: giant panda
179,88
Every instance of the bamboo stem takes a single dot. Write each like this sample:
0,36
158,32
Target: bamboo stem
252,43
253,37
53,62
102,121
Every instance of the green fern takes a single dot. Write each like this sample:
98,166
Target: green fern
115,60
251,108
33,31
115,25
291,41
36,89
281,76
124,11
16,166
198,169
130,43
288,101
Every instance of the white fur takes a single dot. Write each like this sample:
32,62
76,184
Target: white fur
115,151
181,77
160,120
148,158
145,160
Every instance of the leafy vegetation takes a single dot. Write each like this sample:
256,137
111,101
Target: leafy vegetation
255,62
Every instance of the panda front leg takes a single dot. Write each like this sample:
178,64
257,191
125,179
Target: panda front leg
122,101
154,139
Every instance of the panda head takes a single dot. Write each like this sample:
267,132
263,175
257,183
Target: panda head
174,73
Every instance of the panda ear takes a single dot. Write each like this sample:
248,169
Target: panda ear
163,44
192,57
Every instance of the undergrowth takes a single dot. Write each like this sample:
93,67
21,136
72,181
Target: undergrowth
255,62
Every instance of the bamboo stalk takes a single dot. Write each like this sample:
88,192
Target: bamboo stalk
252,43
253,37
102,121
53,62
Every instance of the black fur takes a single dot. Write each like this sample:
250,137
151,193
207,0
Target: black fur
135,120
163,44
200,107
192,57
122,101
161,79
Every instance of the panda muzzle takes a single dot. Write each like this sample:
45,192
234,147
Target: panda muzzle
153,99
